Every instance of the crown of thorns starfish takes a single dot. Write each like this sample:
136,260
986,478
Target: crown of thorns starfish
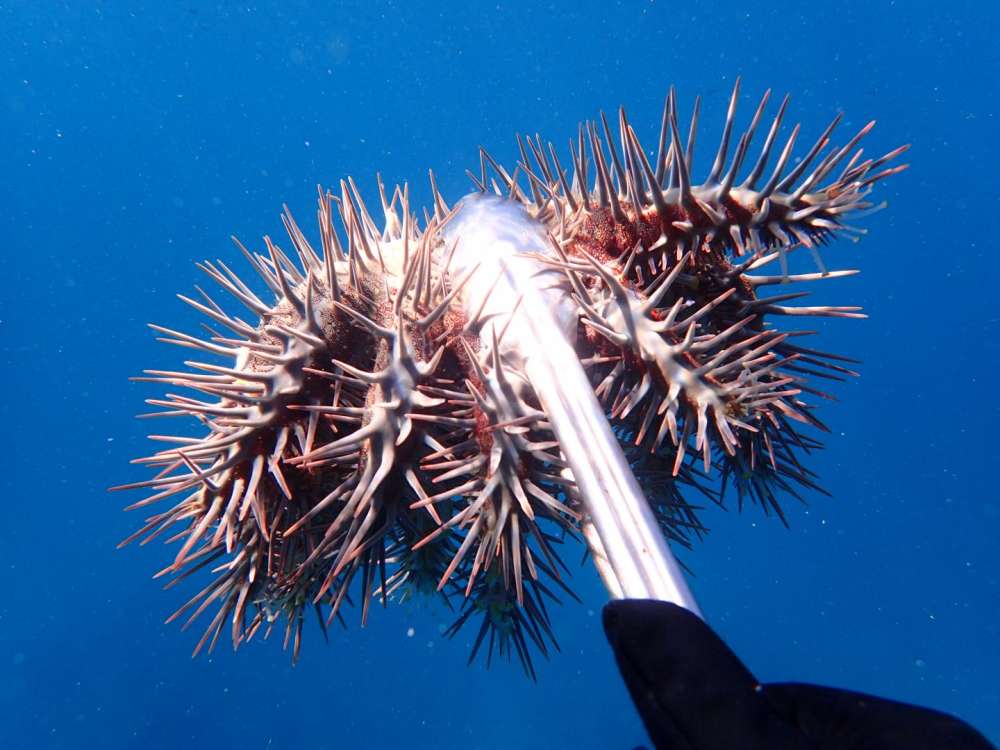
371,426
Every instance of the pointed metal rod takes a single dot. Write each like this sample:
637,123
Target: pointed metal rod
538,317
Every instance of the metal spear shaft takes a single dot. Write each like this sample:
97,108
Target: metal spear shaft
527,300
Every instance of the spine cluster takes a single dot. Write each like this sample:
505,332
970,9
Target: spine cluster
357,435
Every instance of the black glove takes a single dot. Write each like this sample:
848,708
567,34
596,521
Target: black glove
694,693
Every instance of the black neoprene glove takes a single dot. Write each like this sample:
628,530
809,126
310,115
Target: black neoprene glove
694,693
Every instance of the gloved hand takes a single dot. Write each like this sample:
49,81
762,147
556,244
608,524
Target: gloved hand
694,693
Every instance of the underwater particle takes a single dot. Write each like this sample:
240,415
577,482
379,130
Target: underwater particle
361,431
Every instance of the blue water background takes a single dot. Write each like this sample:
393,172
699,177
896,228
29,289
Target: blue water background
136,137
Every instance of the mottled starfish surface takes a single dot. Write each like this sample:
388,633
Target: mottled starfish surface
358,432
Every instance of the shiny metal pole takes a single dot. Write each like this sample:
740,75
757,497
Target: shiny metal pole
528,300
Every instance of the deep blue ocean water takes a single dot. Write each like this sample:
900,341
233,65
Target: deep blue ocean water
136,137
